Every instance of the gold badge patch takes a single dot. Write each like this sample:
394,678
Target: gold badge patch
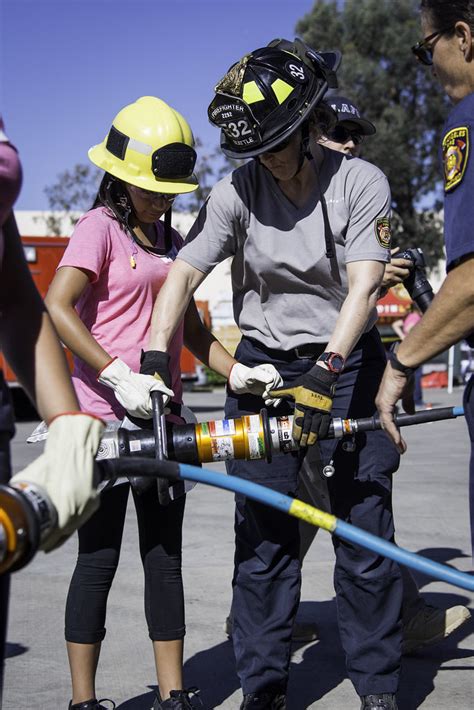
383,231
455,155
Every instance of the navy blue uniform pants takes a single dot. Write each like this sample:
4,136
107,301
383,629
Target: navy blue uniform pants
266,583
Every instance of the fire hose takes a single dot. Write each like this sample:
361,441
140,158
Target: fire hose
27,516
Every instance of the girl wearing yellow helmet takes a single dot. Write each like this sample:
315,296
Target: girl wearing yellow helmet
101,301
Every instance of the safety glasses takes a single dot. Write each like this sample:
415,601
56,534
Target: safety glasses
151,195
340,134
423,50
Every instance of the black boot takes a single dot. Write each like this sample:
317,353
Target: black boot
385,701
266,700
178,700
92,704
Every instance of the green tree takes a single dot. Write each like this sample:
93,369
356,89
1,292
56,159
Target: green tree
396,93
73,192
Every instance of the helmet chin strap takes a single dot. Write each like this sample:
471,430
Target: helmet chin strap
305,151
168,234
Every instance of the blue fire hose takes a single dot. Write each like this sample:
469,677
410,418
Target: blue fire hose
112,468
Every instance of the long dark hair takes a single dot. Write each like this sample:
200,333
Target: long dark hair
113,195
445,13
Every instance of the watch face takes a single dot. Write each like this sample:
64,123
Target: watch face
334,361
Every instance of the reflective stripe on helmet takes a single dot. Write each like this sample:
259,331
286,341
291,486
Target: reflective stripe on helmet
251,93
281,90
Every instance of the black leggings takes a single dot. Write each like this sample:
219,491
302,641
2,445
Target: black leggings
160,535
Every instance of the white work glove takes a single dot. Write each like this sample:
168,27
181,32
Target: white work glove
131,389
65,471
257,380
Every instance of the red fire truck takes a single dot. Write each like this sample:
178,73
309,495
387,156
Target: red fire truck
43,254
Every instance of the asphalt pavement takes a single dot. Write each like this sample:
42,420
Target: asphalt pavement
431,512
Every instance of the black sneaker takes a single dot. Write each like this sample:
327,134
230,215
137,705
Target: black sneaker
92,704
178,700
385,701
264,701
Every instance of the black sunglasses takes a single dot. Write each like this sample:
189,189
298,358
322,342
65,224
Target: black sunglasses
423,50
280,146
340,134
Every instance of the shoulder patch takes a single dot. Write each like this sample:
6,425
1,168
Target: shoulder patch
383,231
455,155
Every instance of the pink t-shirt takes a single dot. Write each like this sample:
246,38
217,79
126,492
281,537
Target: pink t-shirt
410,321
117,305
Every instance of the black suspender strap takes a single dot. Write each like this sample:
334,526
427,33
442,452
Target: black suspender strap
328,235
168,239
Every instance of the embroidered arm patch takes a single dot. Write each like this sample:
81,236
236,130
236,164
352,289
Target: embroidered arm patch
455,155
383,231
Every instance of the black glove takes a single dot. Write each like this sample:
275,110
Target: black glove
313,393
156,363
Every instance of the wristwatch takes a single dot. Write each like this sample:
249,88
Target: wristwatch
397,365
333,361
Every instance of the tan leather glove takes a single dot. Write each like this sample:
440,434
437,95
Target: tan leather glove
65,471
313,394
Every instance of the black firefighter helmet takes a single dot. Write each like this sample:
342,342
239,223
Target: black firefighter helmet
268,94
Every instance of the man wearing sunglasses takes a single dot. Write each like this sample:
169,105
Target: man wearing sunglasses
447,46
350,130
347,136
423,50
423,624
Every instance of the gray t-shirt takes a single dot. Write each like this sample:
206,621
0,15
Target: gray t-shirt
285,292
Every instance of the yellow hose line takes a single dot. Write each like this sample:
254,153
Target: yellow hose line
312,515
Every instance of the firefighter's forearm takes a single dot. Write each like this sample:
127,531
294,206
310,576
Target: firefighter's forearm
172,303
212,353
27,336
42,370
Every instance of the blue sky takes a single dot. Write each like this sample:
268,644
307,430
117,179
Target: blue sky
68,66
